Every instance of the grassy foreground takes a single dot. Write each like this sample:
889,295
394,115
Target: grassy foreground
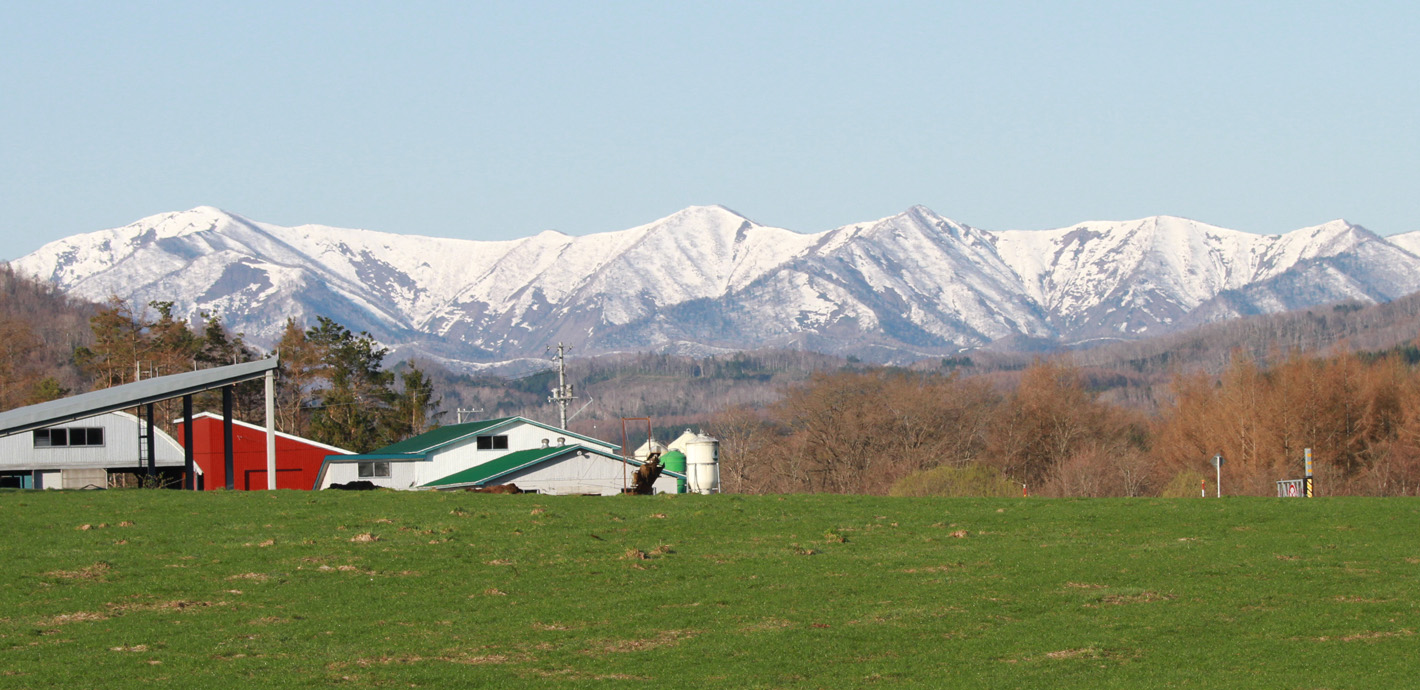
295,589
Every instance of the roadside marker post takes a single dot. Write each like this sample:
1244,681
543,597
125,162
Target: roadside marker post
1307,483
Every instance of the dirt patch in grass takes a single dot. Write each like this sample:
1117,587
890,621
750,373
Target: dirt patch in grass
933,568
1367,636
481,658
76,617
387,660
1084,652
256,577
97,571
343,569
1139,598
572,674
172,605
665,638
365,538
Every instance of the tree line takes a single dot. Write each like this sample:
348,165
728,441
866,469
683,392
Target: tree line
928,433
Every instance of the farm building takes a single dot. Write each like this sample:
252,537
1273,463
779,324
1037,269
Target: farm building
298,460
510,450
83,453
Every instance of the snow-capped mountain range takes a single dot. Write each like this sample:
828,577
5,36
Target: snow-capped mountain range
707,279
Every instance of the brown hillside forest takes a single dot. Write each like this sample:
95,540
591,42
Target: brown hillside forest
1137,418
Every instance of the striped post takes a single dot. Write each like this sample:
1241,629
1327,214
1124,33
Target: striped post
1308,482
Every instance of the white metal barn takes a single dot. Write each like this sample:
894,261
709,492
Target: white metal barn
535,456
82,453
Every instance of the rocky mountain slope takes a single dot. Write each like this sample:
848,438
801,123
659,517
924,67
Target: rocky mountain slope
707,279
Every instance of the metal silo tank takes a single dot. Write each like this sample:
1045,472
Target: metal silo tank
674,461
703,464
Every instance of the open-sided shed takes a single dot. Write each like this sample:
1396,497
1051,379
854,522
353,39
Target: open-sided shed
143,395
82,453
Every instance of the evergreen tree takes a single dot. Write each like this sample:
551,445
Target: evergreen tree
353,407
413,411
119,345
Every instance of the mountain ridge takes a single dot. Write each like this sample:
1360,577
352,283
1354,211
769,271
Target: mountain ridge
708,279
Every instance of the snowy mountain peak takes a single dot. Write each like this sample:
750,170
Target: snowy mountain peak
707,278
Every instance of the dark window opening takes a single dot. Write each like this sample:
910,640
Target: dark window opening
59,438
499,442
374,469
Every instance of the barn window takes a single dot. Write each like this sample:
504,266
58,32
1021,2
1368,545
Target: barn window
59,438
499,442
374,469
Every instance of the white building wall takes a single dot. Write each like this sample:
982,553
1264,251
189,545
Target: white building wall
120,448
402,474
460,456
578,474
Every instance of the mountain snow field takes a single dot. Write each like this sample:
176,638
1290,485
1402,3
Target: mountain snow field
706,279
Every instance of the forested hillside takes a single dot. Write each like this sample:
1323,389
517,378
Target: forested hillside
40,328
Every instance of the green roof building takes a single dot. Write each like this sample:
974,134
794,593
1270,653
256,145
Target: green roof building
508,450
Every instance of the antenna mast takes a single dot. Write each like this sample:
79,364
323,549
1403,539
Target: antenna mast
562,394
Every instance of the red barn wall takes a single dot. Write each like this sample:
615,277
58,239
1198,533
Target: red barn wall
297,461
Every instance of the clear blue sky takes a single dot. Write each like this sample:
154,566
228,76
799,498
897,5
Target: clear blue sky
492,120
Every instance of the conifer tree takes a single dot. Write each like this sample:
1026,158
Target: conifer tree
353,406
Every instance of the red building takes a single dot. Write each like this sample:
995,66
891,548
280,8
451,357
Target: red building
298,460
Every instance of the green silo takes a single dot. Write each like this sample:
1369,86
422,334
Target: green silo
674,461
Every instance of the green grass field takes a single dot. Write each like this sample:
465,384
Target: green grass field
294,589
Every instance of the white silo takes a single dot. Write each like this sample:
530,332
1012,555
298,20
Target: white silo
702,458
650,446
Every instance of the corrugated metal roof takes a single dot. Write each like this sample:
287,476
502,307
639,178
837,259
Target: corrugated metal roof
503,465
443,435
517,460
130,395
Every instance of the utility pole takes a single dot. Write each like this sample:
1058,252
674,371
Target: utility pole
562,394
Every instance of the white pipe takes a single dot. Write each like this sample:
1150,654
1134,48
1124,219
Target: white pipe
270,430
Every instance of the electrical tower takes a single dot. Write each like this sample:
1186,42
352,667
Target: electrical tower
562,394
